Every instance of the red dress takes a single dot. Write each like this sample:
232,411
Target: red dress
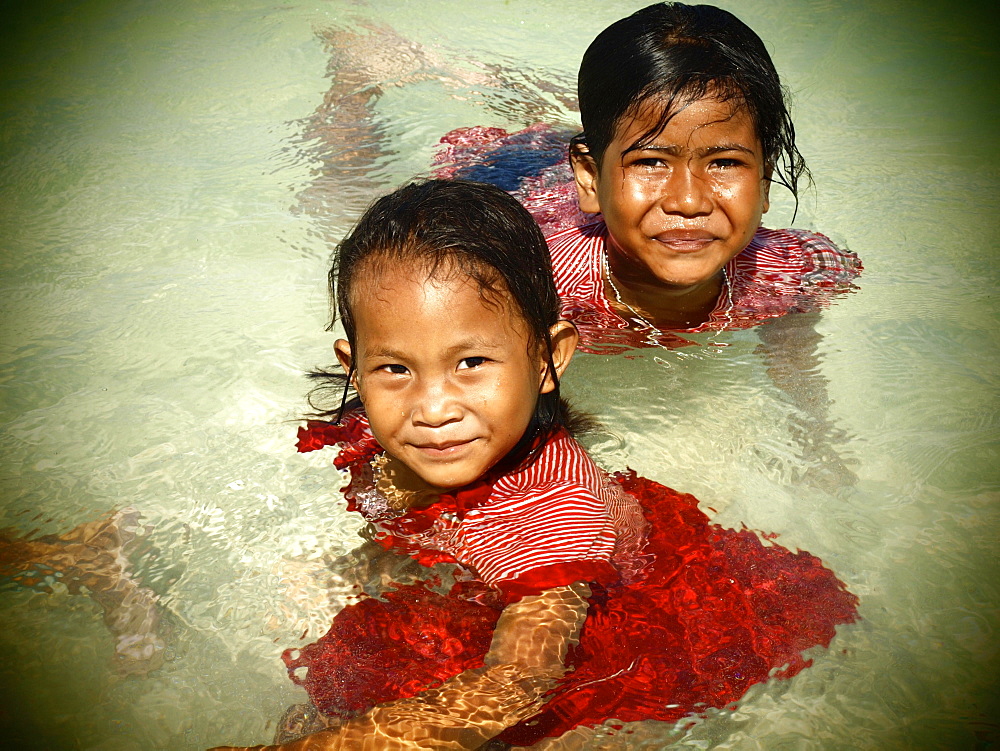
684,614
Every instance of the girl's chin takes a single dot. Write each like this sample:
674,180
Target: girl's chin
688,282
446,482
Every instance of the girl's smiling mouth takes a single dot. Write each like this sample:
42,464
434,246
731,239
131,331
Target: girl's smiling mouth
685,240
443,449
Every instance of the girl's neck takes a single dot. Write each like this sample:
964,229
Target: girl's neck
400,485
635,296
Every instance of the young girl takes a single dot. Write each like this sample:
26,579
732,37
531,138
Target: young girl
685,128
551,597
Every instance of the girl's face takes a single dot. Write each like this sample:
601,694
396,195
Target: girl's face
448,374
681,204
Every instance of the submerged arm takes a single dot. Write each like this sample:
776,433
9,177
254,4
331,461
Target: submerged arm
789,347
525,660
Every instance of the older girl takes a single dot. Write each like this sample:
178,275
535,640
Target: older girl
686,128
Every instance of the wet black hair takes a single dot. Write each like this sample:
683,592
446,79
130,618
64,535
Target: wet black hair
675,54
469,229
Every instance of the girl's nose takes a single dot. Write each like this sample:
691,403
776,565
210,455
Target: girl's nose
437,404
686,193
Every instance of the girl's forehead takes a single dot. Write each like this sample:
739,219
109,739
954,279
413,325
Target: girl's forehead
713,105
655,117
392,280
385,271
426,318
413,285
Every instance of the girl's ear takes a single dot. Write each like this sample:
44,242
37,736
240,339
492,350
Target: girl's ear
585,172
342,348
564,337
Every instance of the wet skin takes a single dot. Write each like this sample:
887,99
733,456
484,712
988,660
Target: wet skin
448,374
679,205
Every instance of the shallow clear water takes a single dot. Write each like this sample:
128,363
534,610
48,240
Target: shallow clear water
167,221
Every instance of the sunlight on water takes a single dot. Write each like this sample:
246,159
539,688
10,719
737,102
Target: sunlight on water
170,199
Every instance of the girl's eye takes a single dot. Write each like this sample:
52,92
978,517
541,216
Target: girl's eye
394,368
727,162
648,162
471,362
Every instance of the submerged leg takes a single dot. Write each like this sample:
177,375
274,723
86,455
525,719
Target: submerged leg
92,557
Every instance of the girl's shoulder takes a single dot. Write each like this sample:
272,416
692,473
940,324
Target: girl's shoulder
559,520
561,461
576,254
565,490
814,257
586,236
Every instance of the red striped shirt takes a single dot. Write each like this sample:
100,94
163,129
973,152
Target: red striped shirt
561,509
779,272
558,520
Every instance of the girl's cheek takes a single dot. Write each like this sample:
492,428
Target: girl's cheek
727,192
737,189
646,187
487,389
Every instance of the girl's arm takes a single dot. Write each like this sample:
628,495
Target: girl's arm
789,346
525,660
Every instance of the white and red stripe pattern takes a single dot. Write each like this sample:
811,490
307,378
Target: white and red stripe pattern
559,510
779,272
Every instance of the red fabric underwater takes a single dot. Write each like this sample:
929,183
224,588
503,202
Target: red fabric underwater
378,650
716,611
